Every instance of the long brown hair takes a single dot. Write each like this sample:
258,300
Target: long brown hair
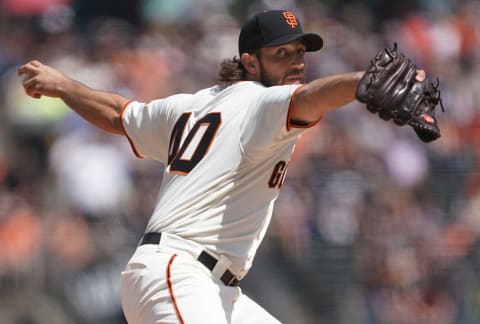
231,70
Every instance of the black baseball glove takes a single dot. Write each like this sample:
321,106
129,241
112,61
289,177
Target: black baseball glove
389,88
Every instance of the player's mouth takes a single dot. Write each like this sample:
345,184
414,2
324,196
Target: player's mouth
294,79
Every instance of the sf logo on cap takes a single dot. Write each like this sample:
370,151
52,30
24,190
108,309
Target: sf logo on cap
290,19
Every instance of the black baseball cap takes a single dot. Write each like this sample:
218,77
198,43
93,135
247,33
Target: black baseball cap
273,28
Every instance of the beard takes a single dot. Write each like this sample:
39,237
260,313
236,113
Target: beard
268,80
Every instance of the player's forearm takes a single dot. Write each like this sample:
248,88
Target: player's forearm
322,95
100,108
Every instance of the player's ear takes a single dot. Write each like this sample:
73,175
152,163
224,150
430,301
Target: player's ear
250,63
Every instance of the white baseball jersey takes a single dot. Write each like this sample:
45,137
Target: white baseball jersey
226,151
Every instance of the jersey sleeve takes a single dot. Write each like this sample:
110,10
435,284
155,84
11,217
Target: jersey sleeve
266,123
148,126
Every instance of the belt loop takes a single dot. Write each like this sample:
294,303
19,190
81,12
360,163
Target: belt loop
221,266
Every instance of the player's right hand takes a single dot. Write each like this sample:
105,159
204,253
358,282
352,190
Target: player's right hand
40,79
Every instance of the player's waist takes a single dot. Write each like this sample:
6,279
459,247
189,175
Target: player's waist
218,265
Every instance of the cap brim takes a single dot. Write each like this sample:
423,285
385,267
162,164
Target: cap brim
313,42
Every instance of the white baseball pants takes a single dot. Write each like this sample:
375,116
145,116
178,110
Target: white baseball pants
167,286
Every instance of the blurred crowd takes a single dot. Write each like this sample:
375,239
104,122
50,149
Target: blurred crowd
372,225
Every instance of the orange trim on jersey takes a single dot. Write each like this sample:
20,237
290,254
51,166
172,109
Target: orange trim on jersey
170,290
125,131
290,123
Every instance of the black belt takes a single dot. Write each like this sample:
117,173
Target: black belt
205,258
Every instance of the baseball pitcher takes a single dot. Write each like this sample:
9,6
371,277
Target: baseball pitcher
226,151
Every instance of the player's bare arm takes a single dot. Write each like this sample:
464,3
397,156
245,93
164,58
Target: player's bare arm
100,108
320,96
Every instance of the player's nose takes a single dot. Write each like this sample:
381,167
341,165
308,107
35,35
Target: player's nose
299,62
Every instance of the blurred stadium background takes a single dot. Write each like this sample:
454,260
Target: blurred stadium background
372,226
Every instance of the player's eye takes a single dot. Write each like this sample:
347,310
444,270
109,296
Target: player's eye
282,52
